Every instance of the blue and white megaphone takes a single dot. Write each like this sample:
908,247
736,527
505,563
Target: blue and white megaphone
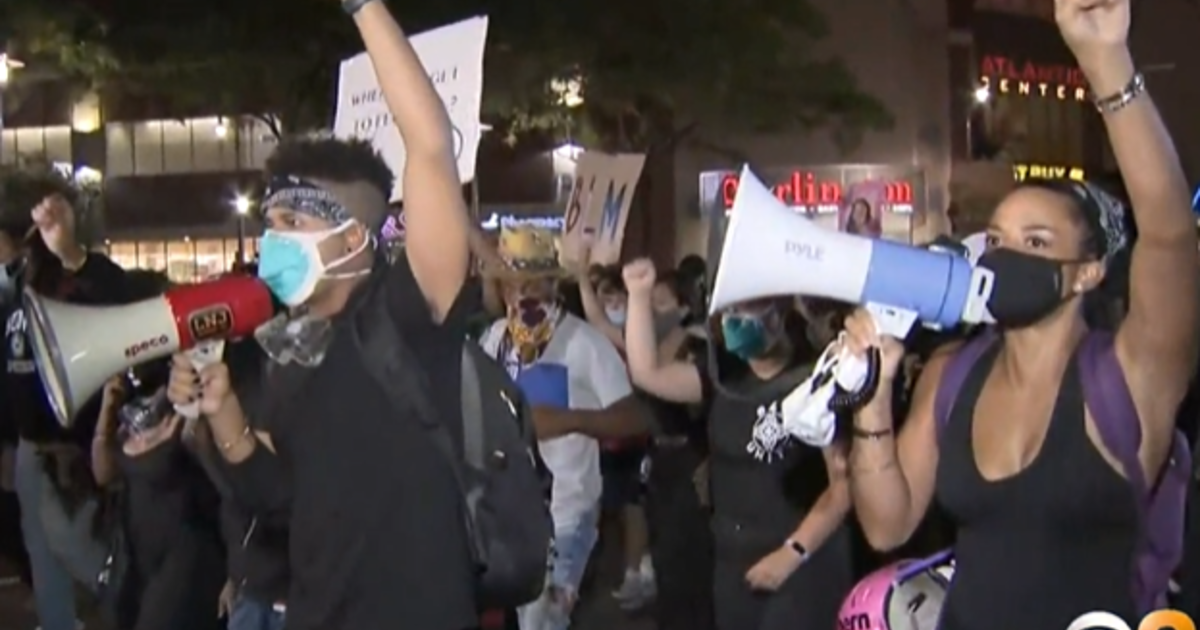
770,250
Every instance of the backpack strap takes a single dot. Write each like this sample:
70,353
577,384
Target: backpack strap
472,411
1108,400
955,374
386,356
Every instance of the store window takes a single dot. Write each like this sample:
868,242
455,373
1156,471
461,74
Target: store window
194,145
181,261
124,254
50,143
211,259
152,255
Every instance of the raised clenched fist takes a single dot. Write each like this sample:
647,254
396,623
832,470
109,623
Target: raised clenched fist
639,276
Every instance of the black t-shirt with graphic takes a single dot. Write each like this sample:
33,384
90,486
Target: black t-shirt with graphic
763,480
26,411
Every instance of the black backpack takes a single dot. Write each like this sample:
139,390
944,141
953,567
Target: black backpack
502,476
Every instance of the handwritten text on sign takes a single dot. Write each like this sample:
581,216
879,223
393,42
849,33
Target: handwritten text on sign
598,206
453,57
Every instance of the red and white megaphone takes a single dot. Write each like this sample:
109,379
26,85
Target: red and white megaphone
78,348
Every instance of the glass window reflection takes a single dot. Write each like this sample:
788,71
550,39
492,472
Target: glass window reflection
181,261
152,255
211,259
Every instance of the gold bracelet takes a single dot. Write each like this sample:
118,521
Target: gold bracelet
226,446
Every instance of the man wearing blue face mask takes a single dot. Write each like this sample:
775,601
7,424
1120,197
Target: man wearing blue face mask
374,510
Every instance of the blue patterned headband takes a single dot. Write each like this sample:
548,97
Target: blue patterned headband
301,195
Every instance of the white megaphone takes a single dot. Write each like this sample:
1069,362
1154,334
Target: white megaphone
78,348
770,250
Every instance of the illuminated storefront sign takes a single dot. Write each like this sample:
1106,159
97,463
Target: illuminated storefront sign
547,222
1022,172
821,191
1005,75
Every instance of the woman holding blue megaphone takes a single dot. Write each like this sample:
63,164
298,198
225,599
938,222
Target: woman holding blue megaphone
782,554
1050,442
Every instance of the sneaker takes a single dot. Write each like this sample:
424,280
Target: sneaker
635,592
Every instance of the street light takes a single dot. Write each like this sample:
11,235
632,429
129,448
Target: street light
241,206
7,65
982,94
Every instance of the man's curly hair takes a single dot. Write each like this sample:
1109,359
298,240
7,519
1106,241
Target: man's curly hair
24,186
333,159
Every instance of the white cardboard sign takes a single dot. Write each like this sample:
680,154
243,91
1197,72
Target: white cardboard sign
453,57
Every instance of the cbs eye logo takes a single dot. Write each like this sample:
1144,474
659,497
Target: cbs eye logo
1157,620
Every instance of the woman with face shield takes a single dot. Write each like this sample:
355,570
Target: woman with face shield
145,453
1051,507
782,553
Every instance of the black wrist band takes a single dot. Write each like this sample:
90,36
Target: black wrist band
871,435
352,7
795,546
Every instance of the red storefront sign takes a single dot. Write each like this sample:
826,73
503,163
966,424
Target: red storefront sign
1001,67
808,191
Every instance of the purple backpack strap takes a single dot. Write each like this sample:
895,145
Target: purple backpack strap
955,374
1161,504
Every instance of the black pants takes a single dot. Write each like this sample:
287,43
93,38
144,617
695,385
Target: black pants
810,598
180,593
12,543
680,541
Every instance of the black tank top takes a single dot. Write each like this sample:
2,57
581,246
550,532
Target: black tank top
1040,548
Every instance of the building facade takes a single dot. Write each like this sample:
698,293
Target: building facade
170,184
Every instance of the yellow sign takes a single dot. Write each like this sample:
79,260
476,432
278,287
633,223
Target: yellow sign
1022,172
1157,620
1026,88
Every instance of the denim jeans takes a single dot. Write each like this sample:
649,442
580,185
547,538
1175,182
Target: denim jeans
250,614
61,547
572,549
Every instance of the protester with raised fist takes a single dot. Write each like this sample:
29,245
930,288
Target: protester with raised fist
378,537
782,555
1052,446
56,510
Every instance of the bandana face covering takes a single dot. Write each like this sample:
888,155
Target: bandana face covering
290,263
302,340
530,326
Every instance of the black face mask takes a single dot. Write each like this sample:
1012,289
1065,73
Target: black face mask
1027,288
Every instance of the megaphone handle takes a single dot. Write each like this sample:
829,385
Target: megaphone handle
204,354
891,320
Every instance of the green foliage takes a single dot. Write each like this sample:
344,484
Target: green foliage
651,68
648,70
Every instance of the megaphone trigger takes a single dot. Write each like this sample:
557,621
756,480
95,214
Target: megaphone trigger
205,353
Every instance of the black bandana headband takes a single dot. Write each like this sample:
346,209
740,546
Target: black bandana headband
301,195
1106,215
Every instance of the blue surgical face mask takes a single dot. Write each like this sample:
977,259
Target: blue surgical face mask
290,263
745,335
615,315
